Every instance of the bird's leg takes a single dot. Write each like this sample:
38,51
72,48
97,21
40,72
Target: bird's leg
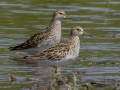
54,70
66,63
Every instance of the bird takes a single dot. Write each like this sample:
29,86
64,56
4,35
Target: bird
48,37
60,54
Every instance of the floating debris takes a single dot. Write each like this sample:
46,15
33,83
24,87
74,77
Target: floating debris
31,79
113,63
100,62
99,83
81,72
13,78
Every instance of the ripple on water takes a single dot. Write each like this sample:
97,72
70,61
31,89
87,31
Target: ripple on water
20,19
5,4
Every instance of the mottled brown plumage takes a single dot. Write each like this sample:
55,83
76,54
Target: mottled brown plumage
32,41
48,37
62,51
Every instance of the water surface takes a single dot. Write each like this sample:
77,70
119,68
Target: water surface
99,56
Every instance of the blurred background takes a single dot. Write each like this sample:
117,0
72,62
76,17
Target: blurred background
99,56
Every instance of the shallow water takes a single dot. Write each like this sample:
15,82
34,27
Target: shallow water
99,56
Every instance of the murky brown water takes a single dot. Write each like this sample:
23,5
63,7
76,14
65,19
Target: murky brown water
99,56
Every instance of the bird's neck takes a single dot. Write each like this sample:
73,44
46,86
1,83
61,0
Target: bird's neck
74,40
55,29
74,44
55,23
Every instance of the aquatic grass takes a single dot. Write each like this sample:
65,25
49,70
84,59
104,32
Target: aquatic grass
88,86
75,79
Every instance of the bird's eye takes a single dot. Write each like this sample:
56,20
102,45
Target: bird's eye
60,13
78,29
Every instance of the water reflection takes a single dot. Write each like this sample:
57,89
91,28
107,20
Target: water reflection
22,19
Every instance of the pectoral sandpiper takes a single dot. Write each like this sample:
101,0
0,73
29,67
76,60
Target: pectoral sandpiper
48,37
62,53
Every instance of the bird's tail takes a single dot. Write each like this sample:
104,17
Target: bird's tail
15,48
11,48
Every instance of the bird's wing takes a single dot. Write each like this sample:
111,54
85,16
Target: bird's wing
56,52
32,41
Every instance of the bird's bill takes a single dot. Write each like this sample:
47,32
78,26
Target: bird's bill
87,34
66,16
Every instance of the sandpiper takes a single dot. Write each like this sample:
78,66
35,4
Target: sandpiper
48,37
62,53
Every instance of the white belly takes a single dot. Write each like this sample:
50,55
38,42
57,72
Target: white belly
57,63
70,57
50,63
